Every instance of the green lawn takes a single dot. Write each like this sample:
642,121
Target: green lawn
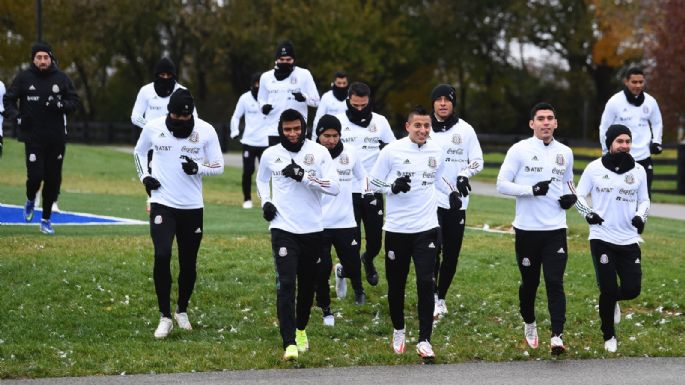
82,302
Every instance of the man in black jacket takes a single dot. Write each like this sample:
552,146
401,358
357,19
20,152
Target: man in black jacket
45,95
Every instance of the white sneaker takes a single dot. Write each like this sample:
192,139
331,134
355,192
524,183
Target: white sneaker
557,345
440,309
182,321
617,314
247,204
611,345
530,331
329,320
398,341
340,283
55,208
425,350
164,327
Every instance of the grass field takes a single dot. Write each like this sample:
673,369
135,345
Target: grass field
82,302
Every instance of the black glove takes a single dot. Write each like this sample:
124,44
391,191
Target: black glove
463,186
594,219
299,97
294,171
455,201
269,211
54,104
655,148
2,144
567,201
189,166
369,199
150,184
401,184
541,188
266,109
638,223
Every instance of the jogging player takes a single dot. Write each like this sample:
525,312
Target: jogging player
300,172
617,217
185,149
333,102
538,171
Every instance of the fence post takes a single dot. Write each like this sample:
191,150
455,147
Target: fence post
681,168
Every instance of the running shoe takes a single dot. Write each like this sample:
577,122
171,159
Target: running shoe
398,341
247,204
440,309
557,345
530,331
290,353
340,283
425,350
164,327
360,298
55,208
301,340
29,206
328,319
611,345
182,321
617,314
46,227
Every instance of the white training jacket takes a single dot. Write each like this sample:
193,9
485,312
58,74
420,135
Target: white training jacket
298,203
150,106
329,105
178,189
338,211
255,133
462,156
638,118
531,161
279,94
617,198
416,210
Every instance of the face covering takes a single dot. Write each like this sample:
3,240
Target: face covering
283,70
361,118
340,93
618,162
335,151
632,99
180,128
446,124
164,87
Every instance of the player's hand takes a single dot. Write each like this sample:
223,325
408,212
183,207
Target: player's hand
293,171
299,97
655,148
455,201
463,186
267,108
269,211
638,223
189,166
567,201
151,184
401,184
594,219
541,188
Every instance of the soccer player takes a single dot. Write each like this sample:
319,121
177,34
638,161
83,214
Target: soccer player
408,170
617,217
367,132
638,111
287,86
340,229
185,149
254,140
538,171
333,102
463,159
300,172
45,95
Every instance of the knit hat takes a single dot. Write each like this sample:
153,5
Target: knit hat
41,47
181,102
165,65
326,122
445,90
614,131
285,49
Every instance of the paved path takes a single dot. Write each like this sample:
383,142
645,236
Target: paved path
664,210
642,371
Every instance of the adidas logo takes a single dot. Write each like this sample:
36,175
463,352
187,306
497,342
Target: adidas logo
535,157
605,176
637,261
431,246
347,128
198,231
406,161
461,222
32,88
162,135
373,202
354,242
278,160
561,250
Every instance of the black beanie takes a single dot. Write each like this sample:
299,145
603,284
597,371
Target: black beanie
445,90
181,102
614,131
165,65
285,49
41,47
327,121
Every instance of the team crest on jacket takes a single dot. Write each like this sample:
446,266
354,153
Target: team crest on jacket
456,139
645,109
293,80
344,159
309,159
55,89
630,179
194,137
372,128
432,163
560,159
